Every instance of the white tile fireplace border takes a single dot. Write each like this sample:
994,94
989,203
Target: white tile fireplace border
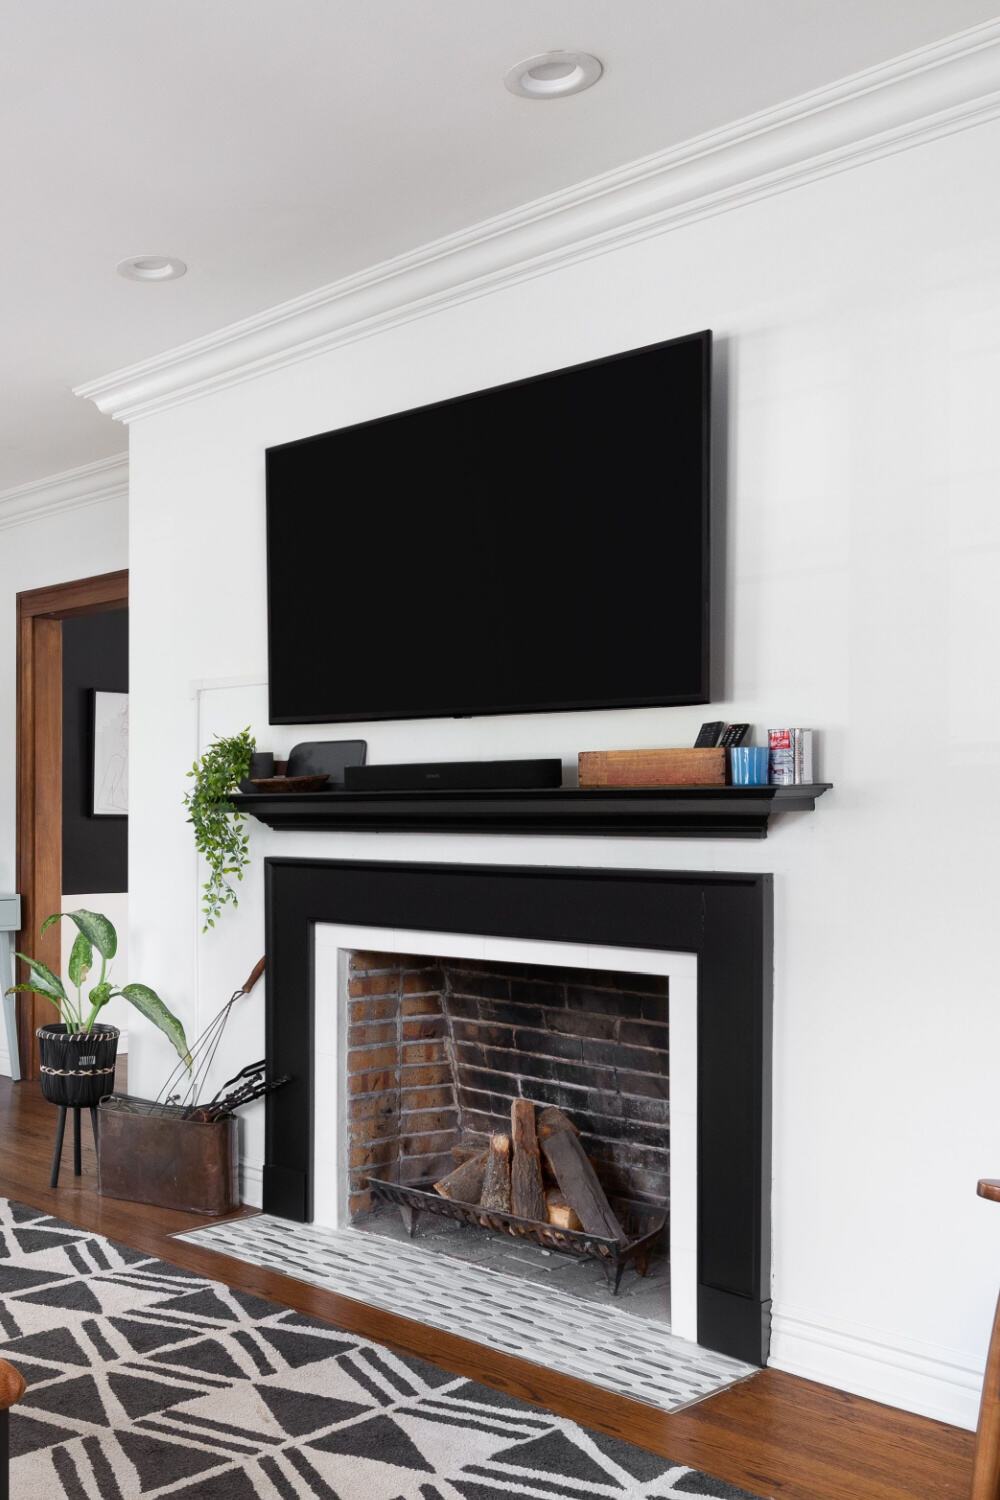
596,1343
334,941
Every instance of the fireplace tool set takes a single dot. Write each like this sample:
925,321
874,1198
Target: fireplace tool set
251,1082
176,1151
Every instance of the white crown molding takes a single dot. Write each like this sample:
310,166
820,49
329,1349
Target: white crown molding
107,479
919,97
907,1373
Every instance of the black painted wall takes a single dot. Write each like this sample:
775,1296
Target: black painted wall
95,655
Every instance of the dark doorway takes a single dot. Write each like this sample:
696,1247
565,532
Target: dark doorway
40,617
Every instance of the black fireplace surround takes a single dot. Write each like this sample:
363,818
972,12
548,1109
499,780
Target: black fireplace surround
725,919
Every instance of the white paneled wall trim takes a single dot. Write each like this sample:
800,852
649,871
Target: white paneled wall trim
921,96
251,1182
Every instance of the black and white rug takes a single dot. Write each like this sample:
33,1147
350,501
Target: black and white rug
147,1380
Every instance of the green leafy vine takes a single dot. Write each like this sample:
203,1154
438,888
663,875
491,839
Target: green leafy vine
218,824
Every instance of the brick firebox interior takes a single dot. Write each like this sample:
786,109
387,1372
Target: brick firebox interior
438,1049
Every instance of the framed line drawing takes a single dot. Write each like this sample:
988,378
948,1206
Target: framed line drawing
109,760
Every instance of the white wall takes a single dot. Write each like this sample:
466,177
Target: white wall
858,329
55,548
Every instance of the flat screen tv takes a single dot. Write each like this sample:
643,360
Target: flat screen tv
535,547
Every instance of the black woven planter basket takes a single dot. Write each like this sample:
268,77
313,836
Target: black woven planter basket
77,1067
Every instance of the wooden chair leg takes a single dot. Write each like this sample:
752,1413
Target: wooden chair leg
4,1455
57,1153
986,1464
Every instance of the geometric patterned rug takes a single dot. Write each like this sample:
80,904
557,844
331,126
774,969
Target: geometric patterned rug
145,1380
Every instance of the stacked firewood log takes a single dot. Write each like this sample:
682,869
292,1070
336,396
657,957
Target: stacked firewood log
539,1172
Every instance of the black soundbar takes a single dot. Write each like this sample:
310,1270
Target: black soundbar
455,776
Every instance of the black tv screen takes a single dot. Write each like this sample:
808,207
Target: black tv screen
534,547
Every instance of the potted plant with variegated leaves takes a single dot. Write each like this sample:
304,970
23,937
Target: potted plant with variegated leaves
77,1053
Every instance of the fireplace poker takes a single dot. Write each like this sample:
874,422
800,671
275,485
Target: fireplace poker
202,1054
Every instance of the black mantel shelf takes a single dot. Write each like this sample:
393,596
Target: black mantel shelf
678,812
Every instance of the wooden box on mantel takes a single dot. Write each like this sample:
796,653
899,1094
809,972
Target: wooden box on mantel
653,767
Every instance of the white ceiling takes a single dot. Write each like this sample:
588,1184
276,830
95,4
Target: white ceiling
279,147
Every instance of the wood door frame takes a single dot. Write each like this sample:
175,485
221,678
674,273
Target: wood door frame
40,613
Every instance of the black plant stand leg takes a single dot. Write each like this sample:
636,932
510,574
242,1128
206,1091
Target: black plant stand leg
57,1153
93,1121
77,1163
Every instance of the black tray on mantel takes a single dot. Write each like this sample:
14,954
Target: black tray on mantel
728,812
641,1223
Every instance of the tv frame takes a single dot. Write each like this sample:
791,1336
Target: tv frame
705,337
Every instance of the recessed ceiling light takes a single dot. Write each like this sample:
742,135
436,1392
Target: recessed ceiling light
151,268
552,75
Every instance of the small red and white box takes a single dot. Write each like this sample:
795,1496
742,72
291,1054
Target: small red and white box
782,757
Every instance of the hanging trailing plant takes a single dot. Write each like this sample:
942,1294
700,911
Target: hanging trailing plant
218,824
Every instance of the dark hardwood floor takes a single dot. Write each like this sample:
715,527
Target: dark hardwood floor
774,1434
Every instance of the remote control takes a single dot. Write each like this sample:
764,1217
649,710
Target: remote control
734,734
708,734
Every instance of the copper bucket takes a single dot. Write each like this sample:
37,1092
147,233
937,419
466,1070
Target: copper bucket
156,1153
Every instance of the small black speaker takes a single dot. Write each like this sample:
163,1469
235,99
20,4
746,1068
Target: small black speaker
456,776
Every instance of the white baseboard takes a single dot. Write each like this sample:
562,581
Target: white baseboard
251,1184
929,1379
